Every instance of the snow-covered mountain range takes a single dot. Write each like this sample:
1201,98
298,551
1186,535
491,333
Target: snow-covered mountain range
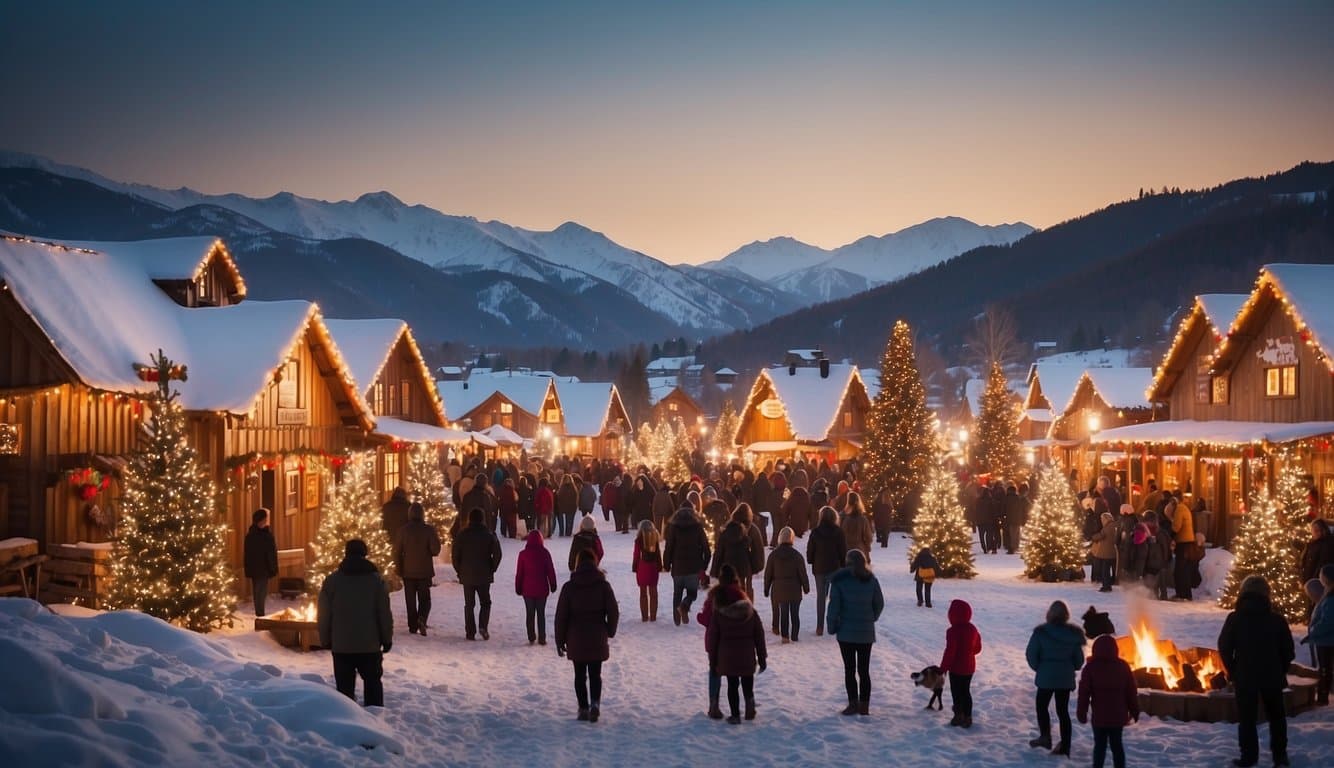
752,285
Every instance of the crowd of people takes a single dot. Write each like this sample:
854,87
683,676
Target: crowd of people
705,534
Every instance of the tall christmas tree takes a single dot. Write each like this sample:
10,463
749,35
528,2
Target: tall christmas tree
940,525
645,442
724,432
169,558
996,447
353,512
1264,548
427,486
900,443
676,446
1052,543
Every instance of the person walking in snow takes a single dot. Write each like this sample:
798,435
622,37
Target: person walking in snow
1055,652
567,504
1107,685
785,581
534,580
544,507
355,624
734,547
415,547
586,618
476,555
826,550
1256,647
962,645
686,555
735,644
924,569
586,538
646,562
261,557
855,604
857,528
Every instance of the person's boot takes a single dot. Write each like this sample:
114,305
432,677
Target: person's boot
643,607
676,616
734,719
583,713
850,709
1043,741
863,707
593,712
1062,749
715,713
750,708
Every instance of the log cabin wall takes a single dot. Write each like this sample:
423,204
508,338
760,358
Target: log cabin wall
850,423
400,390
755,426
676,403
491,411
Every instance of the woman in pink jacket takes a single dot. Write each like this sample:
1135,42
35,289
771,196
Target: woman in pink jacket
534,580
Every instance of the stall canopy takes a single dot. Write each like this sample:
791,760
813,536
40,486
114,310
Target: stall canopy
501,435
414,432
772,446
1213,432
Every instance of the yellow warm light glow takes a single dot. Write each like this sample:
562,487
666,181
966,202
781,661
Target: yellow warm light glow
1152,653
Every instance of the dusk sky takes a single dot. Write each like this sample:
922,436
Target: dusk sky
683,130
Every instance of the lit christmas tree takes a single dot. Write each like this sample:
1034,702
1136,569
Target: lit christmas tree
645,441
427,486
724,432
353,512
996,449
900,443
169,558
940,525
676,445
1290,499
1264,548
1051,541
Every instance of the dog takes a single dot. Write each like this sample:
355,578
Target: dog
933,679
1096,623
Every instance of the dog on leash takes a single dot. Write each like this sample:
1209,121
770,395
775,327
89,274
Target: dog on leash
934,680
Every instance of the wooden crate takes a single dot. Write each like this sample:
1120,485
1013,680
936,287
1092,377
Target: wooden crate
17,549
76,573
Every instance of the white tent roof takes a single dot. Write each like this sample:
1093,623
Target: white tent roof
812,403
1217,432
366,345
502,435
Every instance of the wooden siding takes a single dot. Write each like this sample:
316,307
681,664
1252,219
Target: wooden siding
755,427
686,408
488,413
403,366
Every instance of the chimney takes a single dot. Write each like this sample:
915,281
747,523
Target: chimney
824,367
792,369
465,385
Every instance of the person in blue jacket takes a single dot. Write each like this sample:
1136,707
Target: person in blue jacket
1055,652
855,603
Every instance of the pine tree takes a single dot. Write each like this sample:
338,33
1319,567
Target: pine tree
724,432
996,445
1290,499
900,443
1264,548
675,460
353,512
427,486
940,525
645,440
1052,539
169,558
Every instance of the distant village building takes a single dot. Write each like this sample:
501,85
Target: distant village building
818,412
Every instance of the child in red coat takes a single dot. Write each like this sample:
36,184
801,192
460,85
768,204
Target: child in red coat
962,644
1109,685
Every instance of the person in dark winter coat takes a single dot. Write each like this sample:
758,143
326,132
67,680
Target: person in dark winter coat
415,547
882,517
726,582
476,556
355,624
1256,647
826,550
796,512
586,617
646,562
587,538
394,513
663,508
1320,635
855,604
507,505
528,502
1135,555
588,499
762,494
482,497
686,555
924,569
1055,652
1159,554
715,511
641,503
261,557
1318,552
534,579
1108,686
734,548
962,645
856,526
735,644
785,581
1016,516
1104,550
567,505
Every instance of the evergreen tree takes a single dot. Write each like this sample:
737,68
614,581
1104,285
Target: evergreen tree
996,443
169,558
1052,540
353,512
645,442
900,444
676,452
724,432
427,486
1264,548
940,525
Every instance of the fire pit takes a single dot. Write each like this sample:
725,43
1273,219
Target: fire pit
1190,684
292,627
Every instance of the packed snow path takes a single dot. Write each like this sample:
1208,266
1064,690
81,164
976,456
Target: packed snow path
503,702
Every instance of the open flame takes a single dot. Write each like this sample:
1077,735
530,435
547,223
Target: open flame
1144,650
307,613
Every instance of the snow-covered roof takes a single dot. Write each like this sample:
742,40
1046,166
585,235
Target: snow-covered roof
812,403
1215,432
168,258
1090,358
724,372
672,364
416,432
1041,415
1221,308
1120,387
696,367
450,370
972,394
1058,382
502,435
660,387
366,346
806,354
524,390
585,406
871,379
104,315
1308,288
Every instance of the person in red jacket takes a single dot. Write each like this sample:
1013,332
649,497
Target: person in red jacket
1108,684
534,580
962,644
544,504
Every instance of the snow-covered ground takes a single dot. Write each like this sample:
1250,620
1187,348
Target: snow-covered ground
121,689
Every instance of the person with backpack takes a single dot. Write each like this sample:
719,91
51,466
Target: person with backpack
924,569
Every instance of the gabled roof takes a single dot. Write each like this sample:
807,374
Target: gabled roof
724,371
103,315
660,387
1058,382
170,258
1118,387
586,406
525,391
1304,292
672,364
1216,311
811,404
366,346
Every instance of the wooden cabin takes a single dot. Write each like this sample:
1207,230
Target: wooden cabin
523,403
595,419
818,411
193,271
1103,398
1242,390
674,403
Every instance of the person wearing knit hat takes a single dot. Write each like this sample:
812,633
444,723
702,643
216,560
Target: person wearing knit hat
1256,648
355,623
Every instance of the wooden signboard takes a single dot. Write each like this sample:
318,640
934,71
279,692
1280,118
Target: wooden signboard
293,416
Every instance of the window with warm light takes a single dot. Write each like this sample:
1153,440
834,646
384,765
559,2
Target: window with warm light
847,419
391,472
551,416
377,399
1281,381
673,407
393,400
507,408
404,398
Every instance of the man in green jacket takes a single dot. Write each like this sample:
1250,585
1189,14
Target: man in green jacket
356,625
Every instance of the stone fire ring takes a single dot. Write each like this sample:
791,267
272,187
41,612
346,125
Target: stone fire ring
293,633
1221,706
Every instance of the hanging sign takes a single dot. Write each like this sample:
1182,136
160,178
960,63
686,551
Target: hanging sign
1278,351
772,408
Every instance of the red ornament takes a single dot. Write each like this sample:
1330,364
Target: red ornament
87,492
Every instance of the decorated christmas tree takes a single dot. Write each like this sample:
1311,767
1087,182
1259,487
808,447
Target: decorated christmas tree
724,432
645,444
900,442
169,558
996,448
1052,546
940,525
676,446
1290,489
1264,548
353,512
427,486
